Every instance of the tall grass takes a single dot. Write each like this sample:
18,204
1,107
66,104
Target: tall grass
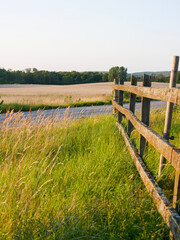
73,180
152,157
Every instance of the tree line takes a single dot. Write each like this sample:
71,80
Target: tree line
34,76
161,78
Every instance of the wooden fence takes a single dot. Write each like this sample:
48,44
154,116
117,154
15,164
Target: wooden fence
168,151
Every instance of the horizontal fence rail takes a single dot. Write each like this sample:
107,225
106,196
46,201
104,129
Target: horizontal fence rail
170,216
164,94
170,212
168,150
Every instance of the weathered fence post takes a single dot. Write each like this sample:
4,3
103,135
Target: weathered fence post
115,95
145,112
176,196
120,100
169,110
132,104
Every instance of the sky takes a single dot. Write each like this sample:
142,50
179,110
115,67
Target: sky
89,35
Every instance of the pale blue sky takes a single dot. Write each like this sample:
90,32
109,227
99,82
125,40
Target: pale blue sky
89,35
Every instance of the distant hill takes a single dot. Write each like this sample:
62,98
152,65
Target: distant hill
140,74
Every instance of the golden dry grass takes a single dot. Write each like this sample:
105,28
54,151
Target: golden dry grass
51,94
32,94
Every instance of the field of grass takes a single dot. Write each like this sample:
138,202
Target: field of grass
26,96
76,180
55,95
23,97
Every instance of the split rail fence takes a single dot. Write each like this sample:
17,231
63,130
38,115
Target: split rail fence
169,152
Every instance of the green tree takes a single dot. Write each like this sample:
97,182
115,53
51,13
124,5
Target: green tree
34,70
122,73
28,70
105,77
119,73
161,78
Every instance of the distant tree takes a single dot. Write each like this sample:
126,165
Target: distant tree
113,73
34,70
28,70
122,73
161,78
105,77
117,73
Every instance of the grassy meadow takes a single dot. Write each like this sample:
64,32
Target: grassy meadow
76,180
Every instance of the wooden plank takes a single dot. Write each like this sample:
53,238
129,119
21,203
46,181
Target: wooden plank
163,94
120,100
168,150
132,104
169,111
163,205
145,113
